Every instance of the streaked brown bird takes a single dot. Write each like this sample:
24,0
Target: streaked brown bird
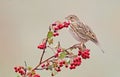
81,32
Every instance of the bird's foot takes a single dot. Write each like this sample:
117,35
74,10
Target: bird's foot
80,46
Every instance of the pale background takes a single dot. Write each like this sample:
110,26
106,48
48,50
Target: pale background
23,24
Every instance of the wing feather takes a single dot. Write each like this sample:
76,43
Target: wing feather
91,35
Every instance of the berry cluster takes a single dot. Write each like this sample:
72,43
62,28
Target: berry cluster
20,70
42,45
76,62
85,54
61,63
58,26
58,52
25,72
70,60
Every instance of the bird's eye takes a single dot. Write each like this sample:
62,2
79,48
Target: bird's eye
71,17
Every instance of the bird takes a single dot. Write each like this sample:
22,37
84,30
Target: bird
81,32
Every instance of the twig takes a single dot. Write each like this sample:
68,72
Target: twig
51,49
25,68
41,57
40,62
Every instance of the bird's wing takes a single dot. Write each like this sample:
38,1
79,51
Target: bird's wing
80,30
91,35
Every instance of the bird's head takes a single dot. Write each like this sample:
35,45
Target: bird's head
72,18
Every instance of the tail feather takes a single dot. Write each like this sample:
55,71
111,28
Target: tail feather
100,47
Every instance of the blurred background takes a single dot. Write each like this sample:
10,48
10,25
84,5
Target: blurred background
24,23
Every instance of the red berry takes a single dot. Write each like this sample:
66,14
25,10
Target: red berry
22,72
55,34
56,55
56,28
43,65
66,24
52,74
19,68
71,67
54,24
60,62
79,58
42,46
78,63
59,50
60,65
36,75
79,53
16,69
60,26
85,54
75,59
46,68
66,66
58,69
72,64
75,63
63,62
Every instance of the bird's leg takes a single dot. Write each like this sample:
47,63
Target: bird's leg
82,46
75,46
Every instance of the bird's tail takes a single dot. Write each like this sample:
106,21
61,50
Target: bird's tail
100,47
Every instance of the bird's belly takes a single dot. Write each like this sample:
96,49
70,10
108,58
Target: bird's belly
78,38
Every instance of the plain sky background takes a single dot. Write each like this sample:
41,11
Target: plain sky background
24,23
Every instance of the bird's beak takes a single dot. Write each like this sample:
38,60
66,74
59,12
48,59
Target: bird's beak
67,20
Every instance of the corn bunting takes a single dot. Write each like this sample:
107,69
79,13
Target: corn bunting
81,32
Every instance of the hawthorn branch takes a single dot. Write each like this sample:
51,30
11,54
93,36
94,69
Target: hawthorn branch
40,62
